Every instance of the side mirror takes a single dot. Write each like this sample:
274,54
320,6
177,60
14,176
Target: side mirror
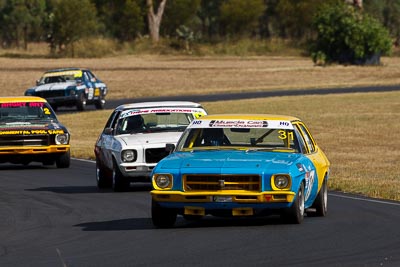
169,148
108,130
37,82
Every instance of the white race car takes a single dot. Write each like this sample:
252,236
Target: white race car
134,140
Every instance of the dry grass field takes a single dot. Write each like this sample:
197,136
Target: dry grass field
358,132
139,76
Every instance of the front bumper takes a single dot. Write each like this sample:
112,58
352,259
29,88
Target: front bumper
29,150
241,203
32,154
69,100
141,172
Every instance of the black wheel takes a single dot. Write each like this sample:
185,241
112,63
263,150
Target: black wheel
101,178
81,103
64,160
321,201
99,104
118,182
162,217
295,214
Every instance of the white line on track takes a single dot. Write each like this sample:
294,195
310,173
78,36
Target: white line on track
84,160
366,199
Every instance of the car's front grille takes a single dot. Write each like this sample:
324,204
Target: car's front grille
24,140
195,182
154,155
53,93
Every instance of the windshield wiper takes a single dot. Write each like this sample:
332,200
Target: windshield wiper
253,149
261,138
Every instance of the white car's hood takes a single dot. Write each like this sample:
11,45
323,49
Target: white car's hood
149,139
54,86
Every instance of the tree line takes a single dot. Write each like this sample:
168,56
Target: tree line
61,23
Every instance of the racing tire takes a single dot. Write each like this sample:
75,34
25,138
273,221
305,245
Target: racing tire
295,213
63,160
162,217
81,103
101,178
321,201
118,183
99,104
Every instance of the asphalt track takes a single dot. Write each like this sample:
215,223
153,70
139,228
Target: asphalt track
53,217
58,217
110,104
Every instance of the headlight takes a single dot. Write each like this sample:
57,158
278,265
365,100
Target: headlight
162,181
62,139
281,181
128,155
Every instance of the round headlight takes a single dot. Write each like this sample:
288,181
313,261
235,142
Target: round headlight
62,139
128,155
281,181
163,180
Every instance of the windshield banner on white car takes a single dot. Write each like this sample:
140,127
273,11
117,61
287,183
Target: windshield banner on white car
197,112
269,124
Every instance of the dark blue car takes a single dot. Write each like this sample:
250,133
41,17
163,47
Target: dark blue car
70,87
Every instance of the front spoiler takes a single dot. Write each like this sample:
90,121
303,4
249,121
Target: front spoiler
223,199
34,150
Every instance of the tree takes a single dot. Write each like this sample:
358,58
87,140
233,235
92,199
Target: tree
241,17
21,21
121,19
180,13
355,3
73,20
348,36
296,17
128,21
154,19
209,15
391,16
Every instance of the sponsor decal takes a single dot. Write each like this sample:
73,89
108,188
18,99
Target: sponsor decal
300,167
309,177
75,73
21,104
30,132
268,124
239,123
132,112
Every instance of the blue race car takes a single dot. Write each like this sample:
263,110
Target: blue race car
241,165
70,87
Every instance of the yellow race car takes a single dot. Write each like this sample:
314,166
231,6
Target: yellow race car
31,132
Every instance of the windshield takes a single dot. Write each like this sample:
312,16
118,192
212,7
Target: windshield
154,122
27,112
57,79
239,138
61,76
